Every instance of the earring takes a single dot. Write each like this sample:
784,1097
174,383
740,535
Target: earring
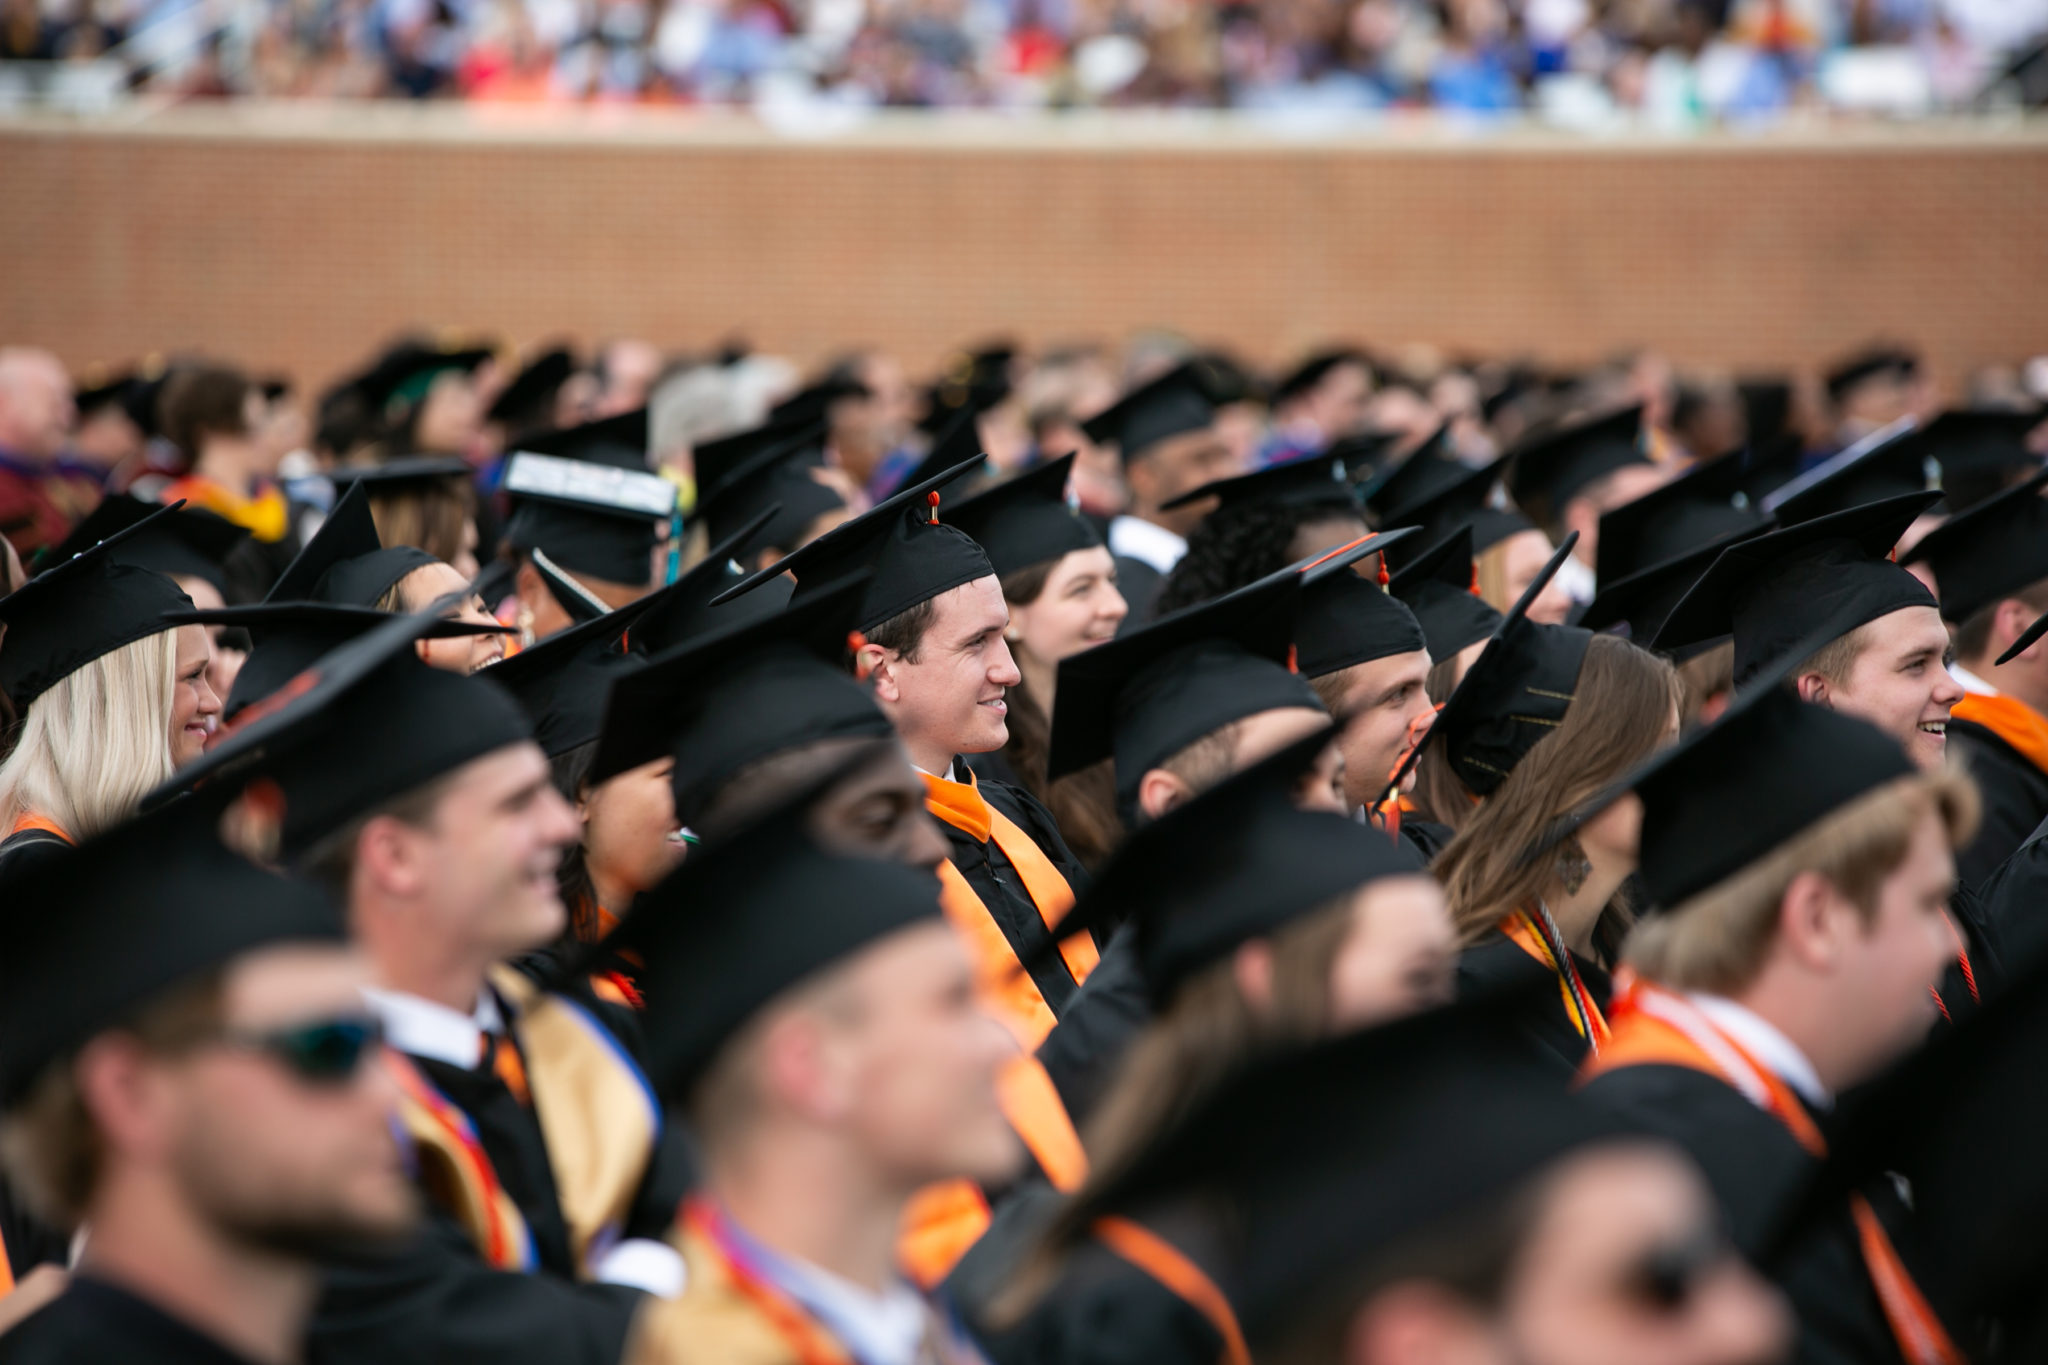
525,624
1573,867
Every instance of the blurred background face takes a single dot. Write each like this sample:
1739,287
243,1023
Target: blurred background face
629,828
1400,954
35,404
880,812
1179,464
1626,1265
486,858
461,653
1522,557
1898,959
299,1166
913,1061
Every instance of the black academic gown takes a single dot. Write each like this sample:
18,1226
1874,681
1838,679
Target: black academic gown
95,1322
1140,585
20,852
984,868
1102,1310
2015,799
1757,1169
1087,1046
1499,964
1427,837
438,1301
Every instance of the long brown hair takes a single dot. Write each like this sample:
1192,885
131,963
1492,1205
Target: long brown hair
1620,711
1204,1035
430,517
1083,804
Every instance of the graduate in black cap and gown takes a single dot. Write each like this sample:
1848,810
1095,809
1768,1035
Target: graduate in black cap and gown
1795,864
769,467
1566,478
1262,522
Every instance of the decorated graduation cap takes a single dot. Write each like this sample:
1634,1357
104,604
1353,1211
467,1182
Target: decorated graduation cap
1702,505
190,543
911,555
727,700
1818,580
596,519
1637,606
1994,550
562,682
1313,1175
1345,619
527,402
1516,692
345,562
364,724
410,474
1236,863
1440,495
617,442
1551,468
741,476
288,636
1143,697
1175,403
149,905
1441,587
746,918
1889,463
1312,481
80,609
1026,520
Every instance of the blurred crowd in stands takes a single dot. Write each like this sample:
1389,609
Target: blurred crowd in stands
1670,64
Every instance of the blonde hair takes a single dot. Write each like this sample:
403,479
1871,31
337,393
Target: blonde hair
96,741
1717,941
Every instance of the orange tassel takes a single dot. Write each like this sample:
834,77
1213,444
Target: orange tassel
1385,577
1475,578
1293,663
933,498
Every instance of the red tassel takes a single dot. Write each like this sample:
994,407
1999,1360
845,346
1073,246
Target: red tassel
1475,578
854,641
1293,663
933,498
1385,577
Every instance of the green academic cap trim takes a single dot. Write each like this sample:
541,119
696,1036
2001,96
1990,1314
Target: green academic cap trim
1027,520
1996,549
1818,580
81,609
1175,403
912,555
1439,586
1516,692
153,903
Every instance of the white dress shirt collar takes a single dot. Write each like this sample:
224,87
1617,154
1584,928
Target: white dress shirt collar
1152,544
426,1028
1767,1043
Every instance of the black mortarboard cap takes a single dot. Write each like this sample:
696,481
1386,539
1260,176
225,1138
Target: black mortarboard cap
94,394
1516,692
746,918
1994,550
1766,407
407,361
910,554
728,700
1236,863
364,724
619,442
1889,463
1312,481
1026,520
1176,402
289,636
813,404
1313,370
1818,580
1770,464
1704,504
405,475
151,904
190,543
1868,364
1548,470
599,519
1973,440
1344,619
1440,495
1636,607
80,609
726,461
345,562
527,402
1439,587
1143,697
957,443
1313,1175
1364,454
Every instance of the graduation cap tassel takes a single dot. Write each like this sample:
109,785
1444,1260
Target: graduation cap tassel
1474,589
855,642
933,498
1385,578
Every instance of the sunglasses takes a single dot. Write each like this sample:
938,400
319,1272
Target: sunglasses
324,1052
1666,1277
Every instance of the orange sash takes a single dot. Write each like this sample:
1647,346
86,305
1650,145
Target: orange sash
809,1342
1655,1027
6,1270
1006,987
39,822
1164,1262
2011,719
1522,930
267,516
456,1166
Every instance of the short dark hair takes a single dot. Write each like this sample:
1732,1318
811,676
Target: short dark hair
207,400
904,632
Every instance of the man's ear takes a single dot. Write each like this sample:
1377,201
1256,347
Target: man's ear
1809,921
1251,967
1581,515
1416,1323
386,855
1159,791
1813,687
876,665
528,586
2011,622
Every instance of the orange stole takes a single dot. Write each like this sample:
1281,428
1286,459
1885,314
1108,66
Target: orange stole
1521,931
1163,1261
6,1270
39,822
2012,720
1653,1027
1005,986
267,516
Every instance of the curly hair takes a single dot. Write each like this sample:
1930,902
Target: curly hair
1234,546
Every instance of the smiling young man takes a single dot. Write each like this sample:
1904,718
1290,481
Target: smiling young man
190,1073
1798,865
422,800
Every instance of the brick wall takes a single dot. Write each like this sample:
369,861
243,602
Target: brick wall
299,245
